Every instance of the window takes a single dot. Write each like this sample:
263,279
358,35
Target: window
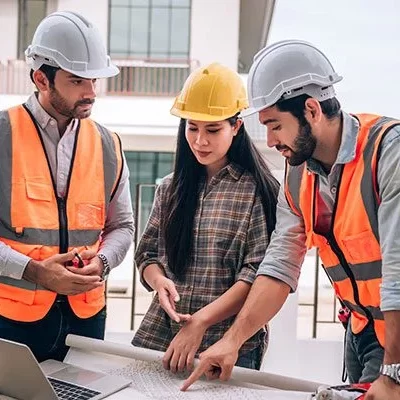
150,29
30,13
146,168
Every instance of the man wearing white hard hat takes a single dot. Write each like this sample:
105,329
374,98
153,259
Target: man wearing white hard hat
65,209
341,195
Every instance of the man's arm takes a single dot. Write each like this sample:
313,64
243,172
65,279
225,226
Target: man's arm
389,220
117,235
265,299
392,346
12,263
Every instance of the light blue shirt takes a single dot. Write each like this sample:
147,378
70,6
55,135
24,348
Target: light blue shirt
286,251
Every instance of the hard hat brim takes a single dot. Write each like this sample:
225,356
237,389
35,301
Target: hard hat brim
108,72
252,110
199,116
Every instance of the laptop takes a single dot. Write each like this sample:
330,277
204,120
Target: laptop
22,378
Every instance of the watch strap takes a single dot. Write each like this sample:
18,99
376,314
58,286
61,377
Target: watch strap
392,371
106,266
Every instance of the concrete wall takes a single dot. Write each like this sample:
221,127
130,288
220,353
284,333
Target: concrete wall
9,29
215,31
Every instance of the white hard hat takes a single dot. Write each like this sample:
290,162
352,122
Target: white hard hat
288,69
69,41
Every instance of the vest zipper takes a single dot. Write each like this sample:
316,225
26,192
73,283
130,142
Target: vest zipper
61,202
63,224
330,237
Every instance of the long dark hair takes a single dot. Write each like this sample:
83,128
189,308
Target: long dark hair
182,198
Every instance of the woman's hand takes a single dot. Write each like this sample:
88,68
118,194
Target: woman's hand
181,351
168,296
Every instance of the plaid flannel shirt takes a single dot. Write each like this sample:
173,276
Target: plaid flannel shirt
230,240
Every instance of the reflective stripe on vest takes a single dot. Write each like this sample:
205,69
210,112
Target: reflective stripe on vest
354,237
30,213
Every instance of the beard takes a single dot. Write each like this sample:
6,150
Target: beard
61,105
303,147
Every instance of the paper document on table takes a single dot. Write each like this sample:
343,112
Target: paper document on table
151,381
238,374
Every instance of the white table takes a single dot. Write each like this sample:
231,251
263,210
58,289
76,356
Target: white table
107,362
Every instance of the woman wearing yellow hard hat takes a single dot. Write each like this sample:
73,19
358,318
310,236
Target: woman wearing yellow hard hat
209,226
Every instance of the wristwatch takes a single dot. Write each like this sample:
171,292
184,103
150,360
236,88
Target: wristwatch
392,371
106,266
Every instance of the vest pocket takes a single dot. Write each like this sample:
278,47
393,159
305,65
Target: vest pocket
362,247
18,290
89,215
35,208
38,191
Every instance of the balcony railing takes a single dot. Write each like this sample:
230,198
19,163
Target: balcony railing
14,78
137,78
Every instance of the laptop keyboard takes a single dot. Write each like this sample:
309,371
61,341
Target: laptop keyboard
69,391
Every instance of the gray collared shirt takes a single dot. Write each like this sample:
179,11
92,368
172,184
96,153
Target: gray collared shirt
287,248
118,232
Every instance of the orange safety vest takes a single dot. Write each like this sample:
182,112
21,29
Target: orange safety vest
350,251
37,223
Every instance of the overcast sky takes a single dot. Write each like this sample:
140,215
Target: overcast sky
362,40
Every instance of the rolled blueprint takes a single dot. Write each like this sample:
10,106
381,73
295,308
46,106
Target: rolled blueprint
238,374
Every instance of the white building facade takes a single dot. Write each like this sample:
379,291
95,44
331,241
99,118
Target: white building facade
156,44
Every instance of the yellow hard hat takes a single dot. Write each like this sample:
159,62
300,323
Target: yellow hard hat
211,93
